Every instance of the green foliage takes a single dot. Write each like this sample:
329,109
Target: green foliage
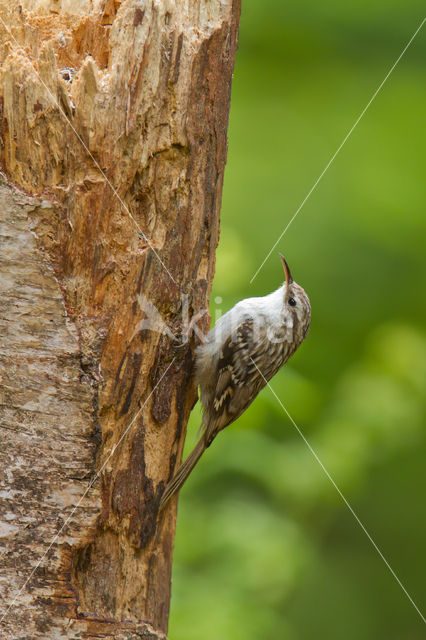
266,547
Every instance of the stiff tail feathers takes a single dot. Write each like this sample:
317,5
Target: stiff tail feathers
182,473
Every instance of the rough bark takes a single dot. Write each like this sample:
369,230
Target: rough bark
111,189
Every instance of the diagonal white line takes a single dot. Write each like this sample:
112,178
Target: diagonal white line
96,163
341,145
341,495
96,476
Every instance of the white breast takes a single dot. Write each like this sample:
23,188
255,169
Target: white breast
265,310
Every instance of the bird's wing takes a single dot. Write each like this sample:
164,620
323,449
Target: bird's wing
247,360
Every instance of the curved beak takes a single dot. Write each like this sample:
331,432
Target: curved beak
287,271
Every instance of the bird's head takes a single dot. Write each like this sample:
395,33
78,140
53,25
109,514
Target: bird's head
296,305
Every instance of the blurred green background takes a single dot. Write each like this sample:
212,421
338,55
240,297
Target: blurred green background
265,546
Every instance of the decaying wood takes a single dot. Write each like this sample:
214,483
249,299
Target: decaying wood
113,122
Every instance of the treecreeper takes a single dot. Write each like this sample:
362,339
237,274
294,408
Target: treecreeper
238,357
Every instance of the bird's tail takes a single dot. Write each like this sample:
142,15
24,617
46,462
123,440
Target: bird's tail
182,473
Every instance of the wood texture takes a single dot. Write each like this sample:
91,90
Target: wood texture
113,123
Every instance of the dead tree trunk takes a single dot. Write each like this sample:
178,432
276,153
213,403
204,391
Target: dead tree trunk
113,124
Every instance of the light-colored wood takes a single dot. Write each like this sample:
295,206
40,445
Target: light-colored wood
113,123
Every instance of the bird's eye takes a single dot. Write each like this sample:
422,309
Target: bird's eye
292,302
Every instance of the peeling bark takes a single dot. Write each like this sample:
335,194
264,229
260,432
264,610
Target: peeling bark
113,123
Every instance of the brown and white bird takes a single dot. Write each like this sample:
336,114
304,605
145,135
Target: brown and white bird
243,351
